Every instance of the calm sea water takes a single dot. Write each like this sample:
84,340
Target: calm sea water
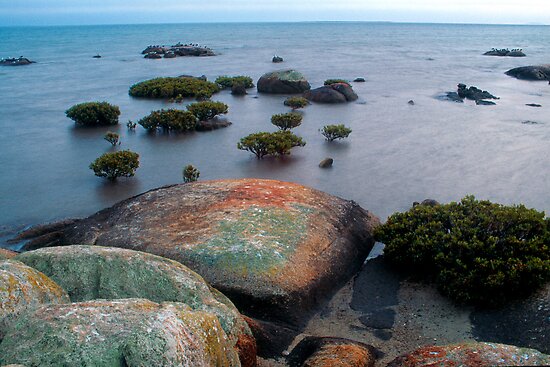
396,154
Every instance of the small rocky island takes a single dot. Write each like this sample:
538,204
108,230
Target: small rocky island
472,93
12,61
179,49
533,72
516,52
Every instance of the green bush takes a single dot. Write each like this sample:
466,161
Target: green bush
263,143
94,114
336,81
190,173
229,81
174,87
333,132
112,138
117,164
174,120
477,252
296,102
207,110
286,121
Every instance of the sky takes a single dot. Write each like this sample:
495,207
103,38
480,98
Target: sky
73,12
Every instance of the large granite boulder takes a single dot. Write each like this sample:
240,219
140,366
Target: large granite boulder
331,352
130,332
537,72
472,354
94,272
283,82
23,288
276,249
333,93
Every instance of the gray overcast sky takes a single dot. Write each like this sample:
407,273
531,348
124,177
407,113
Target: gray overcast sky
46,12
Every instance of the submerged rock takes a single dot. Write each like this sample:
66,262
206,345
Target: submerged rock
23,288
283,82
277,59
473,93
130,332
359,80
94,272
482,102
472,354
331,352
277,249
153,55
217,122
238,90
333,93
533,105
16,61
326,163
537,72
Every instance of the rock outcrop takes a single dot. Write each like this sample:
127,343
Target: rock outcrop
23,288
276,249
505,52
215,123
6,254
283,82
473,93
472,355
538,72
331,352
94,272
130,332
277,59
333,93
156,52
16,61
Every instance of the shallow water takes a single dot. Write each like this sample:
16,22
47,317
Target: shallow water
397,153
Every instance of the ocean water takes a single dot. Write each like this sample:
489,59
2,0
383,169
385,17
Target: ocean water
397,153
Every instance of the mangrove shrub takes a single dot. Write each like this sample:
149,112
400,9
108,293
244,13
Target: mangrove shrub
116,164
112,138
333,132
336,81
172,87
190,173
207,110
170,120
286,121
230,81
296,102
263,143
94,114
477,252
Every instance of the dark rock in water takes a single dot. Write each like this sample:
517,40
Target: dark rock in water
533,105
238,90
313,351
272,339
471,354
429,202
333,93
473,93
484,103
451,96
16,61
154,49
411,102
277,59
326,163
538,72
217,122
278,250
153,56
169,55
283,82
359,80
98,56
505,52
529,122
180,50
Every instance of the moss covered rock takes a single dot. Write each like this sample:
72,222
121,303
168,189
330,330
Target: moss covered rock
472,355
276,249
23,288
130,332
283,82
93,272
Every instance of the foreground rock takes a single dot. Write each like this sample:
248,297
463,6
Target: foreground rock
94,272
131,332
538,72
276,249
7,254
334,93
283,82
16,61
23,288
472,354
156,52
505,52
331,352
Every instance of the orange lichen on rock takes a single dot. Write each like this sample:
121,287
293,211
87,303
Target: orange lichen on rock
341,356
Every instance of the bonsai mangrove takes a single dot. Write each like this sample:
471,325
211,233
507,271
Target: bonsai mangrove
287,121
172,87
277,144
333,132
169,120
112,138
190,173
229,81
296,102
207,110
94,114
116,164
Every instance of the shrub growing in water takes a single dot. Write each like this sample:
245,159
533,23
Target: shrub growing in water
112,138
207,110
175,120
286,121
296,102
264,143
333,132
476,251
336,81
190,173
174,87
116,164
229,81
94,114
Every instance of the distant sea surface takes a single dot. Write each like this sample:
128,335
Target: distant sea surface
397,153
